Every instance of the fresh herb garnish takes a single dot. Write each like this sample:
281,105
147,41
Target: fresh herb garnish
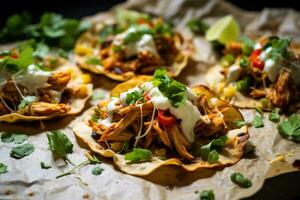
52,29
98,95
240,180
22,62
173,90
138,155
22,151
290,127
60,145
3,168
91,160
274,115
244,62
45,166
240,123
197,26
95,116
27,100
279,47
209,152
207,195
257,121
136,32
97,171
247,46
93,61
133,97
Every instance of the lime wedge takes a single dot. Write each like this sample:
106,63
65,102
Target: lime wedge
224,30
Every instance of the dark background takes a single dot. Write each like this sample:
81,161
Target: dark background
284,187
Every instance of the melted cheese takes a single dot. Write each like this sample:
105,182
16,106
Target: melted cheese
32,78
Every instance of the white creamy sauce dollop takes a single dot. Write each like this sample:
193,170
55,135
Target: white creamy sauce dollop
32,78
145,43
110,108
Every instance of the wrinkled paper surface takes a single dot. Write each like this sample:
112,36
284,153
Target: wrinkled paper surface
274,155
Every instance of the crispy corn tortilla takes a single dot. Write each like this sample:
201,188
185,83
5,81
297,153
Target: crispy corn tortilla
76,104
213,78
230,155
89,41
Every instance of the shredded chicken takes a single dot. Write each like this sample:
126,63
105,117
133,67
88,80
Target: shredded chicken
282,92
258,93
43,108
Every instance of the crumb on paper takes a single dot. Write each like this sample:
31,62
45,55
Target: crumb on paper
279,158
85,196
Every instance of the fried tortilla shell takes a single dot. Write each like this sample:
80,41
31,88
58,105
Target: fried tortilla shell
228,156
45,111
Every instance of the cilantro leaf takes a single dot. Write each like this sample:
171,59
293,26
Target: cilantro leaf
274,115
248,45
13,137
45,166
3,168
209,152
279,47
138,155
97,171
22,62
170,88
52,29
93,61
197,26
22,151
7,137
95,117
27,100
257,121
240,123
133,97
98,95
207,195
60,144
240,180
213,156
290,127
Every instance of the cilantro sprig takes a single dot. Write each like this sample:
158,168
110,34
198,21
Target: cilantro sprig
3,168
60,145
138,155
240,180
290,128
173,90
209,152
133,97
52,29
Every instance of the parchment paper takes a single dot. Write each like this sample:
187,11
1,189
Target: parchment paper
274,155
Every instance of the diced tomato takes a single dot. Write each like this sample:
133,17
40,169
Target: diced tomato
165,118
147,96
256,61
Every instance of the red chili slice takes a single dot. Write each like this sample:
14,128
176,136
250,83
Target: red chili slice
166,119
256,61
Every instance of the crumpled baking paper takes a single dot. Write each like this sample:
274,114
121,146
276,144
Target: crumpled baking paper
274,155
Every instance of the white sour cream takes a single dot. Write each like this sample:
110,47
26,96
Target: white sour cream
32,78
146,43
110,107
